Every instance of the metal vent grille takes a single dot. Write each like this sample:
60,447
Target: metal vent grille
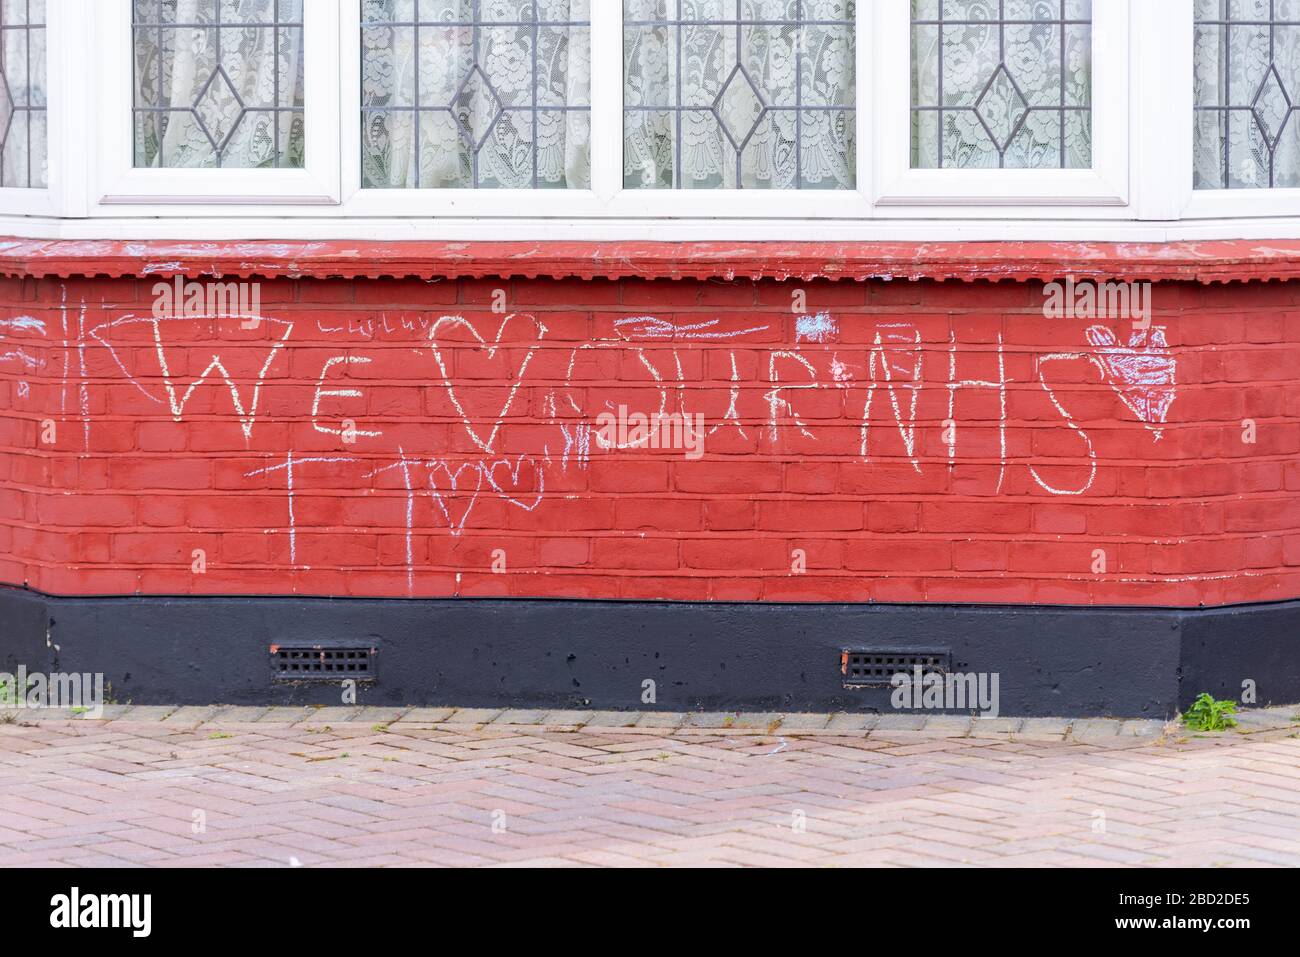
878,667
327,664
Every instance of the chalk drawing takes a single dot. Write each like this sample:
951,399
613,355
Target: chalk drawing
954,384
447,322
67,358
602,438
840,373
888,369
19,357
649,327
410,519
577,443
1143,373
514,496
288,467
23,324
1087,440
819,328
22,357
455,523
371,327
897,350
245,412
732,415
322,393
84,389
568,377
776,405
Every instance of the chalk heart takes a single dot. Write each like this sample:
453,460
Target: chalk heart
445,328
1142,373
584,359
455,490
520,483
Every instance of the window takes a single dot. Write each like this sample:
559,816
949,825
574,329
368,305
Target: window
1247,83
23,127
743,120
476,94
1005,104
214,102
753,94
1002,83
219,83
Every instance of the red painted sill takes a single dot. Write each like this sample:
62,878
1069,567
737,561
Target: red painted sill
1205,262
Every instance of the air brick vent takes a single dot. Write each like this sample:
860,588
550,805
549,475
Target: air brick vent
878,667
323,664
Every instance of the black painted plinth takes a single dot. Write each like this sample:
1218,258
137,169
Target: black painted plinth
1122,662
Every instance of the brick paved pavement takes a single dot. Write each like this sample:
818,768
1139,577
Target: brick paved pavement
375,786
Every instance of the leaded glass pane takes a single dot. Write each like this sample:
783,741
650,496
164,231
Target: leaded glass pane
1247,86
219,83
22,94
739,94
476,94
1001,84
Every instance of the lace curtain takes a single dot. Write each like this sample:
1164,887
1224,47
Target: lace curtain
23,159
726,94
1002,84
219,83
476,94
1247,78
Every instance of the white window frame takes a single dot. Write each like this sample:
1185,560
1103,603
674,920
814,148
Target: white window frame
1218,203
45,200
118,185
818,204
498,203
960,192
1140,189
607,197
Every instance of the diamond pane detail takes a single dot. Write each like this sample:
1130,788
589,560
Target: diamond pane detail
219,83
739,107
6,109
219,108
1272,107
1001,108
476,107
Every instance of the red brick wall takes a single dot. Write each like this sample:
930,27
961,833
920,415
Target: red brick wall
835,442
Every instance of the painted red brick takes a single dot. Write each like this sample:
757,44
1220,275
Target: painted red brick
825,434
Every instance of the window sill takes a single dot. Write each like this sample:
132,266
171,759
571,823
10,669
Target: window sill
1203,262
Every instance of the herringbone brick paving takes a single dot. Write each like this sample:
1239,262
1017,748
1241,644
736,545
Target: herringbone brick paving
360,787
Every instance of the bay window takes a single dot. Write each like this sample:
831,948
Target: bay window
673,119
